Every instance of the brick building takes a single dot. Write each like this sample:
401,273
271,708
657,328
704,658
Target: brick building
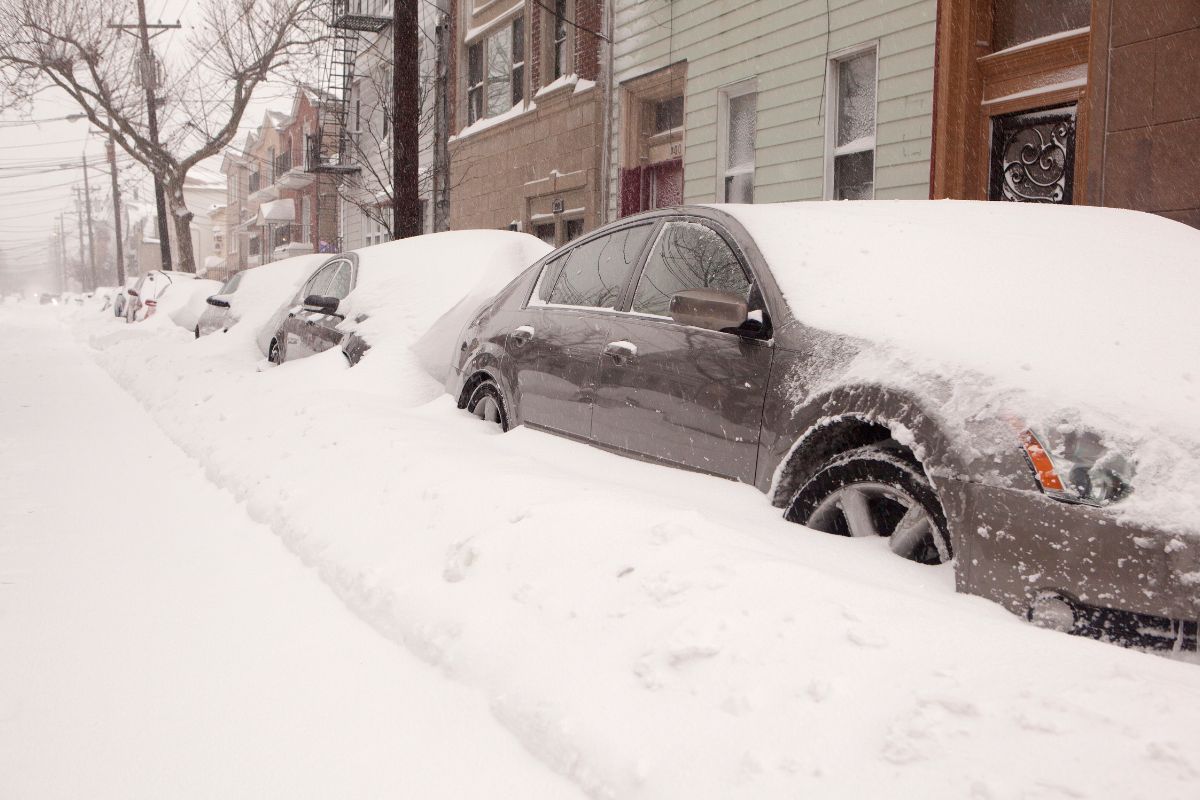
527,110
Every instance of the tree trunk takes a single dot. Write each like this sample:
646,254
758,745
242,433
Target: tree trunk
182,219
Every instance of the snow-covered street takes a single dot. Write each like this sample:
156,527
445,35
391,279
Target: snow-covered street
495,615
155,642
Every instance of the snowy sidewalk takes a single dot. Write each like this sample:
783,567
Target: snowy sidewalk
154,642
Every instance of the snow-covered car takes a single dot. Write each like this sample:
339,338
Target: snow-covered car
973,382
365,296
422,310
149,289
186,314
121,297
256,296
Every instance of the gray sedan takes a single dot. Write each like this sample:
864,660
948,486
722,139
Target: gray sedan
666,337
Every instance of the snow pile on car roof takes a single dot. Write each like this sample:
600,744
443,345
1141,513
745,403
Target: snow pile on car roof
415,295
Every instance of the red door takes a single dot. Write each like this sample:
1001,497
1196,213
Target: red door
653,186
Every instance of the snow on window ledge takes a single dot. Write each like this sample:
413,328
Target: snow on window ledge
490,122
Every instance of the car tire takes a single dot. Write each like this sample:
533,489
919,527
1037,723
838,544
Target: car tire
876,491
275,352
487,403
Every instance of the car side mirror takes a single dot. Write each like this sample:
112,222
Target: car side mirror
133,293
326,305
218,301
711,309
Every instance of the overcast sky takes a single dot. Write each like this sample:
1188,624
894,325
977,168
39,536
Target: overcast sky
30,203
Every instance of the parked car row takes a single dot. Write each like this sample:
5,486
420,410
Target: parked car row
868,367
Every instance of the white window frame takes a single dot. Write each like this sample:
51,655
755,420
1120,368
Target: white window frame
724,95
481,37
832,98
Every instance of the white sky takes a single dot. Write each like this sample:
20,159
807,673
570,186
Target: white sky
30,204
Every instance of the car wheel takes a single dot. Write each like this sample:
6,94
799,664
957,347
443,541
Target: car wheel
874,491
487,403
274,354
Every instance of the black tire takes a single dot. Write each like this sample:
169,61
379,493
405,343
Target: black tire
197,331
885,486
274,352
486,401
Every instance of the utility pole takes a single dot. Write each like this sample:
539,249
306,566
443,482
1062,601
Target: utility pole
441,128
87,199
150,81
79,214
111,147
406,114
62,255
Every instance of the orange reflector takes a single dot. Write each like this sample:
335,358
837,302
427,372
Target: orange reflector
1042,464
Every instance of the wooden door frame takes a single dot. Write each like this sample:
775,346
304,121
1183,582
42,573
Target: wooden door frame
972,84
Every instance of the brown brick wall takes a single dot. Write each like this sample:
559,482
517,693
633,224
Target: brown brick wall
588,15
518,167
1144,98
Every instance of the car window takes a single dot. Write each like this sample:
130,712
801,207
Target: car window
596,271
319,283
339,283
231,285
687,255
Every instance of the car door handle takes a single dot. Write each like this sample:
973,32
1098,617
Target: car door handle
621,351
522,335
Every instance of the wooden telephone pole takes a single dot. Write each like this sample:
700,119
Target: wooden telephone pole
150,82
87,200
406,115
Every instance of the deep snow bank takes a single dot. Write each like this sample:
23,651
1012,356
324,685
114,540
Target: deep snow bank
652,633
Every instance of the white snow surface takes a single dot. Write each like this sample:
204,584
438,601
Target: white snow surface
647,632
155,642
1052,314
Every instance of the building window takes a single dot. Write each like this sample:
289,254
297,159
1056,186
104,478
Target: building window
375,231
738,108
574,229
547,232
651,140
496,72
561,55
850,151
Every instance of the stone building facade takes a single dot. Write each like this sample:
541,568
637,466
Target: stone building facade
527,105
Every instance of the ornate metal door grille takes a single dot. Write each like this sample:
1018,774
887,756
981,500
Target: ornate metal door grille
1033,156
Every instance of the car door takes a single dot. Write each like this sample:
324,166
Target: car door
573,304
683,394
321,326
296,327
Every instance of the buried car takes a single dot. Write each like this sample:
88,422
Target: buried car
143,298
892,370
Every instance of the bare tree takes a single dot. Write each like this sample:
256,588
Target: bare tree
203,91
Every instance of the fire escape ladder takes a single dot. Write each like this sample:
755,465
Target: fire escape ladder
330,150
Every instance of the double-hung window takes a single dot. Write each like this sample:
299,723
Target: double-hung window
739,112
850,152
496,72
